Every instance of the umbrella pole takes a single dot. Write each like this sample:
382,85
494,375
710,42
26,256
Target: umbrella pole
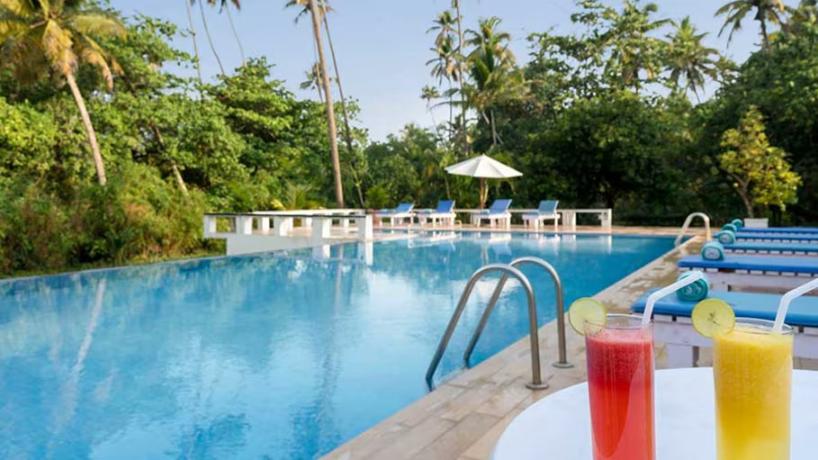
482,192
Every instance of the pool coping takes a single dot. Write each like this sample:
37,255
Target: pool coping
466,414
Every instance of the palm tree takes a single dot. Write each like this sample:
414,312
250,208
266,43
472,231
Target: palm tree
224,5
304,4
461,42
313,81
771,11
56,35
318,14
633,49
429,94
688,58
209,37
446,62
192,28
493,71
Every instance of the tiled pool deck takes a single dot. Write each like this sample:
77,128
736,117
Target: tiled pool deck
463,418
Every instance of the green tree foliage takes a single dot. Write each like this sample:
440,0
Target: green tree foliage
760,172
52,37
599,117
766,12
689,59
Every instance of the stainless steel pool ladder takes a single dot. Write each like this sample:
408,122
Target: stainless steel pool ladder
507,270
689,220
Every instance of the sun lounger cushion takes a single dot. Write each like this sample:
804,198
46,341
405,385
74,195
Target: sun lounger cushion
799,230
726,237
713,250
805,265
805,237
695,291
761,246
803,310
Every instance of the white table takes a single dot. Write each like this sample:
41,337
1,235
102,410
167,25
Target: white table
569,216
558,426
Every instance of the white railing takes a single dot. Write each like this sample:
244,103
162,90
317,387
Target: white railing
319,222
689,220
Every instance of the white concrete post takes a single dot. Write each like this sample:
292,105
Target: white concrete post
244,225
282,225
368,250
322,252
365,228
321,229
264,225
209,225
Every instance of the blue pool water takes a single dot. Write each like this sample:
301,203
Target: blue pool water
282,355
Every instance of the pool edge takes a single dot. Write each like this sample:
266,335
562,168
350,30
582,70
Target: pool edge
466,414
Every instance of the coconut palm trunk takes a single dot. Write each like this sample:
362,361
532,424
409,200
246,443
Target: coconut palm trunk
195,43
235,33
332,129
210,37
765,38
460,44
89,128
344,113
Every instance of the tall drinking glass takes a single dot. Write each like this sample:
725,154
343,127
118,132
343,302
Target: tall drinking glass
752,368
620,386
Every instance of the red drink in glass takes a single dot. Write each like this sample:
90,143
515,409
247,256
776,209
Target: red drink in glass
620,386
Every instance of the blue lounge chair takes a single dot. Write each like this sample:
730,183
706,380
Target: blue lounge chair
774,272
742,235
671,319
401,213
805,230
546,211
497,214
759,247
444,213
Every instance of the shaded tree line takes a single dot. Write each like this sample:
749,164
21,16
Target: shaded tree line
108,157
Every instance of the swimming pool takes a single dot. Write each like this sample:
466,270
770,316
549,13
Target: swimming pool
281,355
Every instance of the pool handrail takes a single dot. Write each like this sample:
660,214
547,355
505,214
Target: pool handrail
495,296
536,377
689,220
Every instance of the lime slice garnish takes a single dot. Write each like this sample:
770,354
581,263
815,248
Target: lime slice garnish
712,317
587,311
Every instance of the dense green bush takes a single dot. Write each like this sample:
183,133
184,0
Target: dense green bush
138,216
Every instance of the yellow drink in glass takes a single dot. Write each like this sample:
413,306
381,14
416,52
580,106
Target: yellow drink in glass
752,367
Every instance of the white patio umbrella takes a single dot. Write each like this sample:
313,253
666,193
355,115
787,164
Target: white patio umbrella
483,167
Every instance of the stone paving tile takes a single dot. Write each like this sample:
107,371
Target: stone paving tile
465,416
435,403
457,440
414,440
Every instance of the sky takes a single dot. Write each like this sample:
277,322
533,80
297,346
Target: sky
383,45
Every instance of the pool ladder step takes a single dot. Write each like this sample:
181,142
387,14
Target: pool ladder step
508,270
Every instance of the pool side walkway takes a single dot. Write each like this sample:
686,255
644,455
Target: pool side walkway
464,417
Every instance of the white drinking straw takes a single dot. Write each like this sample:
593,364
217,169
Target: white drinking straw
694,276
784,305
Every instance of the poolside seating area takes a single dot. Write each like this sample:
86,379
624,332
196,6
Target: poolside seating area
672,326
545,212
773,263
499,215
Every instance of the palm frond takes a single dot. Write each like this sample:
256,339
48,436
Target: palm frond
17,8
10,28
91,53
56,44
97,24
